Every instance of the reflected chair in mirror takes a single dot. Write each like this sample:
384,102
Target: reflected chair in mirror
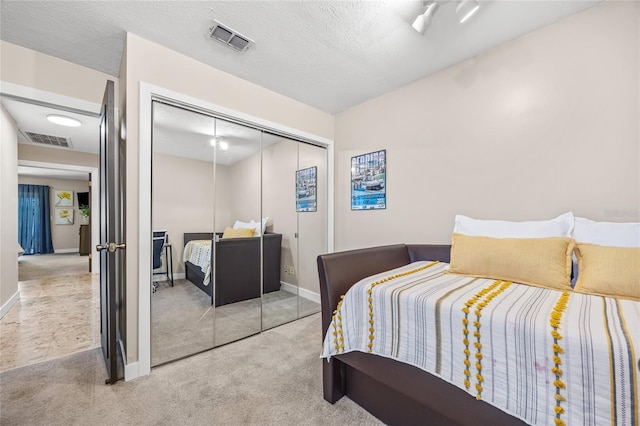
162,255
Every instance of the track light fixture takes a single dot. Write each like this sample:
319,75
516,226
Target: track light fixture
423,20
465,9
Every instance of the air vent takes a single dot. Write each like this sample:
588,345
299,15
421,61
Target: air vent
229,37
48,139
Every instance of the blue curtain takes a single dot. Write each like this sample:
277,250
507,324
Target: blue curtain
34,219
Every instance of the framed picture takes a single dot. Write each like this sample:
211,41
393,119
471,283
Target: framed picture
64,216
306,185
63,198
369,181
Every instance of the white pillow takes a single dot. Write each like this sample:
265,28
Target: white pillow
561,226
607,233
259,228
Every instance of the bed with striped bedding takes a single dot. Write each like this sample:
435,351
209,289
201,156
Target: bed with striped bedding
198,252
544,356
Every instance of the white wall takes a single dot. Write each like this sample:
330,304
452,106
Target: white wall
65,238
156,65
183,199
8,212
536,127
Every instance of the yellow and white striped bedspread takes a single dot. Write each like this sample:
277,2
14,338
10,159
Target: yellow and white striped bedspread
541,355
198,252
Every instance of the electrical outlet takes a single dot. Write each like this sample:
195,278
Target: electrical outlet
291,270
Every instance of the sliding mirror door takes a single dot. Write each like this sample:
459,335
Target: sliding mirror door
237,271
280,244
182,321
239,216
312,224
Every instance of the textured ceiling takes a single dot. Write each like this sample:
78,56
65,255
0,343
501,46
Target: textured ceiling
328,54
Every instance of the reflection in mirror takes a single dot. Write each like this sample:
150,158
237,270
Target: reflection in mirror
279,165
182,169
237,248
237,239
312,224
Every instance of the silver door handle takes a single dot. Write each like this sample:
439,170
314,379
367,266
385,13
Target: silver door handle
112,247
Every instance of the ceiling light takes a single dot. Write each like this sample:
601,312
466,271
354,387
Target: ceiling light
466,9
63,120
217,141
423,21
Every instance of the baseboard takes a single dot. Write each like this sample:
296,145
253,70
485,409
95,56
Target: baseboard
9,304
131,371
161,276
71,250
303,292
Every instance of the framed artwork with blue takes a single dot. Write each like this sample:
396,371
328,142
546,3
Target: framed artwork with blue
306,186
369,181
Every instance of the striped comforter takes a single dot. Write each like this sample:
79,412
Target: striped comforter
544,356
198,252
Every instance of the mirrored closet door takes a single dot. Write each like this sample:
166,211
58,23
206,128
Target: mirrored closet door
279,165
237,254
312,224
183,199
239,216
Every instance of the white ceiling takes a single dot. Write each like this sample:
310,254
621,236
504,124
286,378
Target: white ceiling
183,133
328,54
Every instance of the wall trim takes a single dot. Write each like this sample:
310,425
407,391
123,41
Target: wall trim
148,92
302,292
9,304
69,250
130,370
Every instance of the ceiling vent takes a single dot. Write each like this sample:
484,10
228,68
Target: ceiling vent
48,139
229,37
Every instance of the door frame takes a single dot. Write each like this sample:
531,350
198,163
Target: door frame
95,198
148,93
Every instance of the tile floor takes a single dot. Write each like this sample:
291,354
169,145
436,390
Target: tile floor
55,316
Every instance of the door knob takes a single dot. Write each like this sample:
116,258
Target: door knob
112,247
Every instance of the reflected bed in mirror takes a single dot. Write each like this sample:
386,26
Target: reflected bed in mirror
237,265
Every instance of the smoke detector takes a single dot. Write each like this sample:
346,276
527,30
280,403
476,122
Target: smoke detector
229,37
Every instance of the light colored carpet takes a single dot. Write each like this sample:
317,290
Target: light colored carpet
273,378
182,319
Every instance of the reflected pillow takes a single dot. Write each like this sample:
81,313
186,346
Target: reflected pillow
608,271
259,228
561,226
543,262
238,233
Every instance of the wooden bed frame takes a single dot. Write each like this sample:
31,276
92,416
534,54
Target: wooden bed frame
240,278
396,393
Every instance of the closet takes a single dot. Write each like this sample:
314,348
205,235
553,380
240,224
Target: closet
245,213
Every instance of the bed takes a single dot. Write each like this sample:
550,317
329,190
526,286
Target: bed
576,382
238,275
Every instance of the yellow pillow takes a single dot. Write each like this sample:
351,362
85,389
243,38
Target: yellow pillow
544,262
608,271
238,233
